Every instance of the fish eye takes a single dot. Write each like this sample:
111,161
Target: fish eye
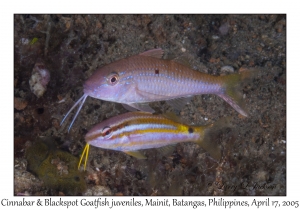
113,78
106,131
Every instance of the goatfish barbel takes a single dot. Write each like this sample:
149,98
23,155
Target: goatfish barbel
137,80
134,131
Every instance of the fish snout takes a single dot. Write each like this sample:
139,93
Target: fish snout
88,86
91,88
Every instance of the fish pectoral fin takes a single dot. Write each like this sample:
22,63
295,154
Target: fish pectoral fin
136,154
176,103
179,103
156,53
139,106
172,116
148,96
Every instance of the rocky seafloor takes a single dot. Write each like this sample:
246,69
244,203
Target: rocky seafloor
72,47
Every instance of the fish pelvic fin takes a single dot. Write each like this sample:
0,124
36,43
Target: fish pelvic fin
231,89
209,138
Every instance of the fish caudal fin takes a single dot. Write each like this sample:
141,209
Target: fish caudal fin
231,93
209,139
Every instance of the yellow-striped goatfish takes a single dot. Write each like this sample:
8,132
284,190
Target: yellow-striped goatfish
137,80
134,131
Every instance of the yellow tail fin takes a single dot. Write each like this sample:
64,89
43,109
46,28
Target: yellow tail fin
231,93
209,138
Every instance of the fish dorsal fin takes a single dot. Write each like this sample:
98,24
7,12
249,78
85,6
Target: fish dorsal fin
179,103
172,116
136,154
156,53
182,60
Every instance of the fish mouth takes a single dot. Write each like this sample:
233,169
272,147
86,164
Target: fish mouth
87,87
92,89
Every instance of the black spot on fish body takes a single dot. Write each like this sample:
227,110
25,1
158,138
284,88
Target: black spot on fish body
191,130
157,71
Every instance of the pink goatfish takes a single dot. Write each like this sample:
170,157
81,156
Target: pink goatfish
134,131
137,80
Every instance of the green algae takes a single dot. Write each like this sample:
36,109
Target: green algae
57,168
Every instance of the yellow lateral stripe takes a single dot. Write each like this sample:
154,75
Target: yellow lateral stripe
151,132
137,120
180,129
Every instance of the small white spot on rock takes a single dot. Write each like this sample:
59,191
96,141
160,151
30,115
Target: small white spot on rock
229,69
215,37
40,77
